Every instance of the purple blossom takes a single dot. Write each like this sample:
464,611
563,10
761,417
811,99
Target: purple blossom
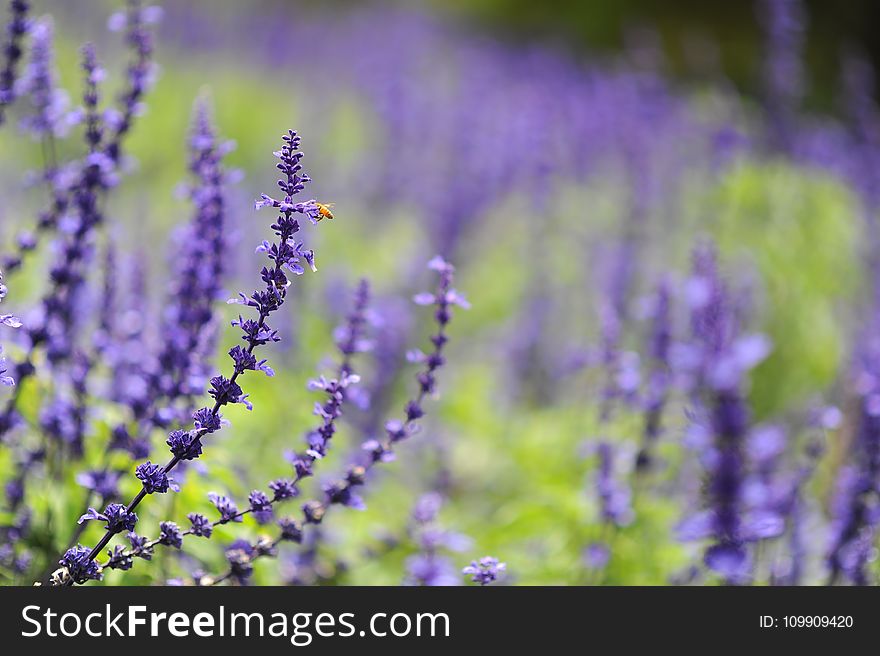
206,421
171,535
49,115
614,495
226,507
80,567
200,525
260,507
291,530
154,478
104,483
16,29
115,517
485,571
283,488
185,445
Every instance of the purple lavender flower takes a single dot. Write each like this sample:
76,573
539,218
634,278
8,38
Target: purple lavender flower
260,507
226,507
79,565
141,71
115,517
154,478
283,488
170,535
16,29
103,483
49,104
855,519
185,445
429,566
189,316
659,379
721,361
596,556
285,253
485,571
200,525
784,23
614,495
291,530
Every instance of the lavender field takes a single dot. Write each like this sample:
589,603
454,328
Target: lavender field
366,294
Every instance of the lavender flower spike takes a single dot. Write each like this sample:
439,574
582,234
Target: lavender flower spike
49,116
284,253
12,50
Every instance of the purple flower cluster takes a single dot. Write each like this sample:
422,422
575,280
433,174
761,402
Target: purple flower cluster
49,105
720,359
485,571
16,29
429,566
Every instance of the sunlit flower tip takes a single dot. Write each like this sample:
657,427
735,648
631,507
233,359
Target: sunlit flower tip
170,535
155,478
10,321
200,525
424,298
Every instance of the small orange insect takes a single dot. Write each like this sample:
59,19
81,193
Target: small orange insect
324,210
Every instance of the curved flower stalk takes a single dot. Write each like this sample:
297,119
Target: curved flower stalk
343,492
350,340
286,256
16,29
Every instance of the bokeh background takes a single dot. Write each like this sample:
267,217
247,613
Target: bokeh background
565,157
